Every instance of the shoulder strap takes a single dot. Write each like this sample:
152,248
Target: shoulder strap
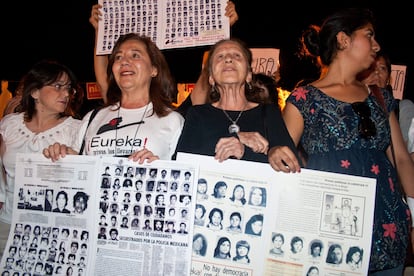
94,112
376,91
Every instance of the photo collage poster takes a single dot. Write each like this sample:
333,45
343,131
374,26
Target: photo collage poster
251,220
168,23
90,215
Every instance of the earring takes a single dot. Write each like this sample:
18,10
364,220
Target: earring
249,85
213,88
343,46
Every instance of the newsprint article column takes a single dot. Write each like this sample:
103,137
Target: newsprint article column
251,220
85,215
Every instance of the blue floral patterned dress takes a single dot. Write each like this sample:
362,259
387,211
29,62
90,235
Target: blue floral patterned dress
332,141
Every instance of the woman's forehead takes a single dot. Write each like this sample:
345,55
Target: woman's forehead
228,46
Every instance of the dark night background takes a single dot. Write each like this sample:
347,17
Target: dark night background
34,30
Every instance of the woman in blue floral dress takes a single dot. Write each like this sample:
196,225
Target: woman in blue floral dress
346,127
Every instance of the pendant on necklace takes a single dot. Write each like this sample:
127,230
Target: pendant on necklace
234,128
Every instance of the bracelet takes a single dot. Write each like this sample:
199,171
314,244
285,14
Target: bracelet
410,202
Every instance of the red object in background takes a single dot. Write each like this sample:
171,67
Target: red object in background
92,91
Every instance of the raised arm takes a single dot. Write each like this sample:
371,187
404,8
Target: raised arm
100,62
231,13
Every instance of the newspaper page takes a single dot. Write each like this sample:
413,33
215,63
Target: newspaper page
251,220
51,227
145,218
87,215
169,23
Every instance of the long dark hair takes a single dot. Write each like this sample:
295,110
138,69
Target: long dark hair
217,251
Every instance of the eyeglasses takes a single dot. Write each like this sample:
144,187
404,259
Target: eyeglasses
63,87
366,126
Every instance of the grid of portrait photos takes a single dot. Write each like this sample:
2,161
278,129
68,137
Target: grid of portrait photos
320,252
169,22
45,250
143,198
232,212
37,248
343,214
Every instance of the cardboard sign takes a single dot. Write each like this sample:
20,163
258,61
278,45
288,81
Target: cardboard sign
265,60
398,73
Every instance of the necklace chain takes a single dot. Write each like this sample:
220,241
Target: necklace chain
231,120
136,130
234,127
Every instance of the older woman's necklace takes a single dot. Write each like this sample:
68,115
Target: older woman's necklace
234,127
